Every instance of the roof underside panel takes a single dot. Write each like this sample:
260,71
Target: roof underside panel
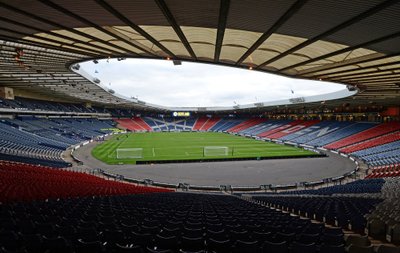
352,42
168,38
89,10
140,12
198,13
317,17
384,23
236,43
260,15
274,45
202,40
35,8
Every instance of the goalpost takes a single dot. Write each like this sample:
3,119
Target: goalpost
215,151
129,153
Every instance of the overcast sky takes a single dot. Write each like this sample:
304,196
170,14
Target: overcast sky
193,84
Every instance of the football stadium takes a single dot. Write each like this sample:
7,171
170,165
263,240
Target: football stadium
85,167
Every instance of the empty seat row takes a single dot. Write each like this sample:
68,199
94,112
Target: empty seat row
25,182
160,222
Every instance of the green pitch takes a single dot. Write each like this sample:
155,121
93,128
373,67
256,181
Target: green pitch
158,146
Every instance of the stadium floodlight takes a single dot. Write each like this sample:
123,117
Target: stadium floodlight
129,153
215,151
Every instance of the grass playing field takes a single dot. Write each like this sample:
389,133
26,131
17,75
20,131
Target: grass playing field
165,146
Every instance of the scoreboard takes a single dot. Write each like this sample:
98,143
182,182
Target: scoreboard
181,114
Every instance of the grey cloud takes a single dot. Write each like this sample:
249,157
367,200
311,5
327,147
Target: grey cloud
193,84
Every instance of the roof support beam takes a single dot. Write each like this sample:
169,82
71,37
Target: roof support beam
37,44
223,16
51,41
285,17
331,31
62,27
370,69
91,51
171,20
344,50
377,75
135,27
344,64
91,24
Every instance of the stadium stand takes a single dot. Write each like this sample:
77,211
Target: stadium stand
42,141
359,186
199,123
384,222
44,45
341,133
209,123
316,131
345,212
27,182
388,138
295,128
284,125
132,124
201,228
177,222
288,128
392,170
374,132
169,124
142,123
263,126
246,124
225,124
24,104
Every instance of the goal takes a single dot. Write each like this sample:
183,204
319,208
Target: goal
215,151
129,153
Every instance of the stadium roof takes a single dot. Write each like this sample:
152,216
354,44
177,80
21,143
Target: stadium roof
351,42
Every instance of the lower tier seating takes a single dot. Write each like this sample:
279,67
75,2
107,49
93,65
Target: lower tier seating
346,212
164,222
26,182
356,187
42,141
384,222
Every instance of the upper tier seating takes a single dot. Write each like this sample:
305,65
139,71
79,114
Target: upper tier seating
365,135
26,182
41,105
165,222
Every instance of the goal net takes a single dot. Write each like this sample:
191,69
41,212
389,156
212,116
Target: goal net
215,151
129,153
